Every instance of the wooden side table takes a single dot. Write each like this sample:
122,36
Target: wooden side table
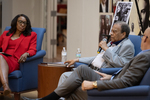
48,77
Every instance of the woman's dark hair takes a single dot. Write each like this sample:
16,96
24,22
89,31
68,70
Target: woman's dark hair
13,28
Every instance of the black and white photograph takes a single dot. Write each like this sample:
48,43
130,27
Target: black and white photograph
122,12
139,18
144,15
114,3
105,21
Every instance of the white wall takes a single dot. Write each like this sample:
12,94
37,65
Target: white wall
31,8
6,13
82,27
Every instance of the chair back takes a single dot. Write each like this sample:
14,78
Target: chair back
39,32
136,40
146,80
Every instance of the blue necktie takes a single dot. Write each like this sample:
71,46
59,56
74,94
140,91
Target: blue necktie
113,75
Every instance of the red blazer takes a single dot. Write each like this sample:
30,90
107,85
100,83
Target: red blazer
26,44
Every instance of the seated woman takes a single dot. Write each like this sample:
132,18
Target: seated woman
19,42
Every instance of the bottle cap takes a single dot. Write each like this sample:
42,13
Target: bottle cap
78,49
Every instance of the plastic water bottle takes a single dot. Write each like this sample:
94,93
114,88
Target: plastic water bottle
63,55
78,54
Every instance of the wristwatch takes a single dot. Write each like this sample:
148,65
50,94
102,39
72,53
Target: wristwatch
95,84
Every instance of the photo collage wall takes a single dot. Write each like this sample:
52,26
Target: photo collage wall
123,10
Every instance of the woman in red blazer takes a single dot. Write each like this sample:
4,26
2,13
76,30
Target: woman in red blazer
17,44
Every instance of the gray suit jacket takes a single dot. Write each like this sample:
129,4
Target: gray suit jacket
130,75
118,57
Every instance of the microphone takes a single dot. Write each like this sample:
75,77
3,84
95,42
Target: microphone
104,39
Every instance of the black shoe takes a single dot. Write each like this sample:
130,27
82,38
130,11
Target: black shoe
25,98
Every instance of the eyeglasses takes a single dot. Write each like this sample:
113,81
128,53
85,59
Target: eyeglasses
22,22
143,35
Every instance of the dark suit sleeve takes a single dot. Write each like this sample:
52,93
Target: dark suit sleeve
129,76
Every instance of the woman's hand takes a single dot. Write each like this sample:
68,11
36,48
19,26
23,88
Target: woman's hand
23,57
71,62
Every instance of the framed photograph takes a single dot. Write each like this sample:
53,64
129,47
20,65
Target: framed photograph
105,22
143,6
114,3
140,17
143,16
122,12
104,6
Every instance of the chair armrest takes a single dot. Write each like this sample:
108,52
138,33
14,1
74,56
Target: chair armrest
76,64
38,54
129,91
29,70
32,61
109,71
